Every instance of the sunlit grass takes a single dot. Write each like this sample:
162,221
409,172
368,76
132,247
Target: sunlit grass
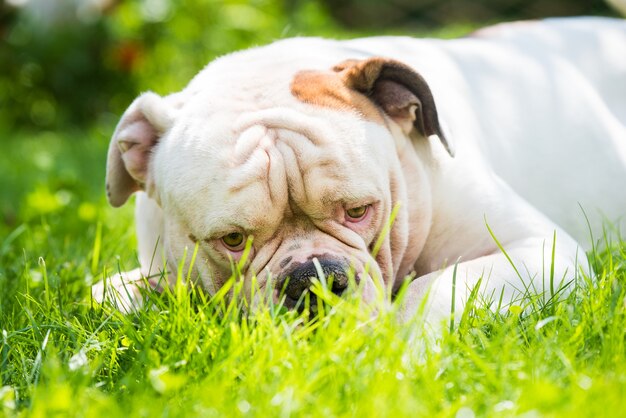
185,354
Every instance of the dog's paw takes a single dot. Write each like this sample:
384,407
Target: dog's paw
122,291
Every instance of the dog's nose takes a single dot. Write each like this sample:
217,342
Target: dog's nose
298,281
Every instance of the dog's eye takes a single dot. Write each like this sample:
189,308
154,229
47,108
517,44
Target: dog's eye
356,214
234,241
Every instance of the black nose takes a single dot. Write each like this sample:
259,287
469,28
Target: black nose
298,281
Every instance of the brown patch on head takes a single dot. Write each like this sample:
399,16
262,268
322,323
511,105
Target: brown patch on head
328,89
374,87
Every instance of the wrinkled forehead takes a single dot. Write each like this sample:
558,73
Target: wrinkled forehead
265,158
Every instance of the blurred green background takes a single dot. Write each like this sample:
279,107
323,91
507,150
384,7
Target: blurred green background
68,69
80,61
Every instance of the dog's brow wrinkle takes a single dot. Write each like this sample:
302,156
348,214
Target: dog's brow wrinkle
284,118
250,178
241,185
294,209
328,166
254,159
267,177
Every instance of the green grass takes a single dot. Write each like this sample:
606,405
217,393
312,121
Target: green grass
193,356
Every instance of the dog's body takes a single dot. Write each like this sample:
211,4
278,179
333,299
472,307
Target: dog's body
307,145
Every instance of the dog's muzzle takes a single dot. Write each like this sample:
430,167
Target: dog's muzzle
296,283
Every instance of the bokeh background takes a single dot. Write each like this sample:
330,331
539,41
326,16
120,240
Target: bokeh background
68,69
79,61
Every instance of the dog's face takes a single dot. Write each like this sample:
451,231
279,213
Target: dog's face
307,166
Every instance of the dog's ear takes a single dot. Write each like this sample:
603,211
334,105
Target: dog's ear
145,121
399,91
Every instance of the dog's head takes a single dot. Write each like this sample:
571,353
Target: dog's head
308,164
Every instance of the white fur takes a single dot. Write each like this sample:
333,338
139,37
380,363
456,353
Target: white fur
536,113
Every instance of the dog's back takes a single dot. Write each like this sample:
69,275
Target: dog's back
544,103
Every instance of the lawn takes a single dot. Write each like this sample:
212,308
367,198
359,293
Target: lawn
190,355
187,354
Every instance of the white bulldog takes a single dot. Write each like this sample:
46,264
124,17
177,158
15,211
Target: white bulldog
492,148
